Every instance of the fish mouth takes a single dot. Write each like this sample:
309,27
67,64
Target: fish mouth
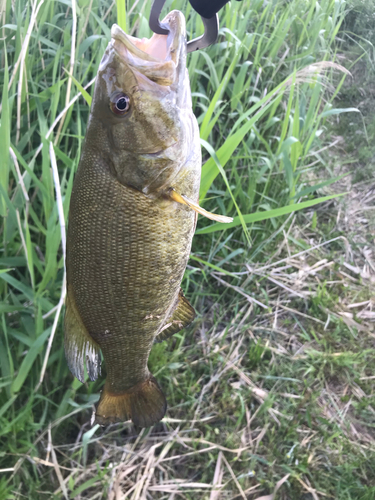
159,57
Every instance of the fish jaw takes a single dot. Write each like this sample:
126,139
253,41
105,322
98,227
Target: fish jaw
152,138
161,59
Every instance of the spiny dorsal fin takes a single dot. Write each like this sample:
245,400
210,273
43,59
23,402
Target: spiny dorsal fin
182,315
80,347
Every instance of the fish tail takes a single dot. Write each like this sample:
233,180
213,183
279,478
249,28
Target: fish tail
144,404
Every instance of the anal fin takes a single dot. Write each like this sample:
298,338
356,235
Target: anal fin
182,315
80,348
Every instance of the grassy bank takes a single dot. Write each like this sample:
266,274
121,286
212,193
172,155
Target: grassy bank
271,387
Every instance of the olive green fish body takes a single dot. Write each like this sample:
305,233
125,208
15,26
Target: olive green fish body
126,257
128,241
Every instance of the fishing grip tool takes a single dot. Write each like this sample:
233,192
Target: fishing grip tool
207,9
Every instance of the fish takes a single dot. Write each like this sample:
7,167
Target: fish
133,213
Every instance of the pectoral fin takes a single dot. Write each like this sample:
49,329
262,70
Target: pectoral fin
80,347
184,200
182,315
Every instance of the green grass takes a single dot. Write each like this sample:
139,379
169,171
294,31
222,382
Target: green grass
273,379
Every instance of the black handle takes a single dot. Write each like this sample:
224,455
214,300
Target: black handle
208,8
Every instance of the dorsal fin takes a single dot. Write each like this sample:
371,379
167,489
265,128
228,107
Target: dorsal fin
80,348
181,316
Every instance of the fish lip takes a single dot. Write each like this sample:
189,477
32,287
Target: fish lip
170,46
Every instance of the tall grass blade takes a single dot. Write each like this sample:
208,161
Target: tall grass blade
268,214
4,138
29,359
121,14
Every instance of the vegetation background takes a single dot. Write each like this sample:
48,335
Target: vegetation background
271,389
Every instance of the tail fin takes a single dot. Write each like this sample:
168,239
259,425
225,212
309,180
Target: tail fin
144,404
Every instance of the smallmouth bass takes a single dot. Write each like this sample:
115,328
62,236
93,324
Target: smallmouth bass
132,216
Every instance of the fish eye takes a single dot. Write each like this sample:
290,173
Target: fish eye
120,104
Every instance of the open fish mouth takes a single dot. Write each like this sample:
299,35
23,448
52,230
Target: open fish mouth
158,57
